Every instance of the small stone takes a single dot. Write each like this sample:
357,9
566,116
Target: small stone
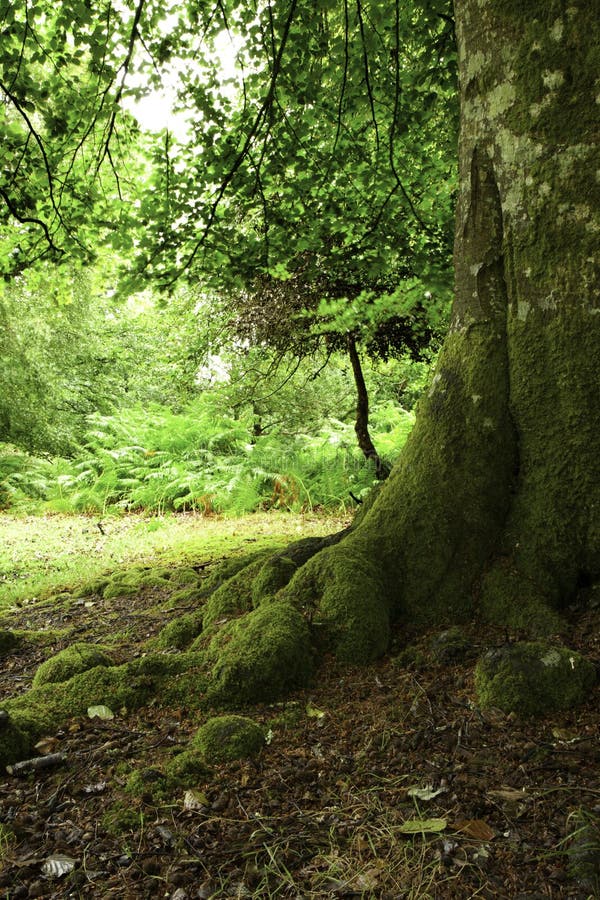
179,894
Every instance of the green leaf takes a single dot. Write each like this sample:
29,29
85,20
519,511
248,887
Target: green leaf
423,826
100,712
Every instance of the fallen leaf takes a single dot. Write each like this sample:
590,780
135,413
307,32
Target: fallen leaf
47,745
195,800
313,712
425,793
512,795
475,828
58,865
97,788
100,712
565,735
423,826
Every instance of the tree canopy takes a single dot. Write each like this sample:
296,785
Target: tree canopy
326,153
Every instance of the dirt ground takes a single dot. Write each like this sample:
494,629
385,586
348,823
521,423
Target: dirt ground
379,782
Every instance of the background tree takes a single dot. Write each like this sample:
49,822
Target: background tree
65,163
339,189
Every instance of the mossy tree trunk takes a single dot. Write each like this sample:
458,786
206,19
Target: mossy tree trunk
495,503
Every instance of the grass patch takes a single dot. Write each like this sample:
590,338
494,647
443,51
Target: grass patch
43,555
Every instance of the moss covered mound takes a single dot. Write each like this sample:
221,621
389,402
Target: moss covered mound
15,743
184,575
118,587
96,586
180,632
229,567
510,599
260,656
188,767
533,678
72,661
274,574
8,641
451,646
234,596
353,611
46,707
176,679
226,738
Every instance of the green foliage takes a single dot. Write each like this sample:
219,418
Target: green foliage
157,460
64,157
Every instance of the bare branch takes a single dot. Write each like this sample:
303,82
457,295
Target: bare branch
29,220
367,71
261,116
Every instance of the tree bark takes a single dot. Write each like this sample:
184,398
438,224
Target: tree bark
494,506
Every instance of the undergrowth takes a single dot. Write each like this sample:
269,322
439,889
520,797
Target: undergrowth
156,460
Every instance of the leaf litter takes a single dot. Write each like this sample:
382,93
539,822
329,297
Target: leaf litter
382,782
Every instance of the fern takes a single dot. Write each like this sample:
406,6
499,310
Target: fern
156,460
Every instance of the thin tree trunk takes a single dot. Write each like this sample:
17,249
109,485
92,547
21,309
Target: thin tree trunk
361,425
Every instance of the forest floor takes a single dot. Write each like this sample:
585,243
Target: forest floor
381,782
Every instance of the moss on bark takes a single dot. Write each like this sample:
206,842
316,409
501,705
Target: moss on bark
261,656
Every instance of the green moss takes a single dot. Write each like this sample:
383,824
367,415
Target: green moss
153,580
119,819
15,742
185,575
273,574
533,679
181,631
8,641
163,572
352,614
411,657
227,738
234,596
508,598
187,767
74,659
260,656
42,709
451,646
96,586
229,567
118,588
553,80
290,717
164,664
190,596
186,690
149,785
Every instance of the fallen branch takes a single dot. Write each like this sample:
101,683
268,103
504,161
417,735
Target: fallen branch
37,764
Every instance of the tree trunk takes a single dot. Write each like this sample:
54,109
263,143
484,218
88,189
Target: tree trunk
361,425
494,505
